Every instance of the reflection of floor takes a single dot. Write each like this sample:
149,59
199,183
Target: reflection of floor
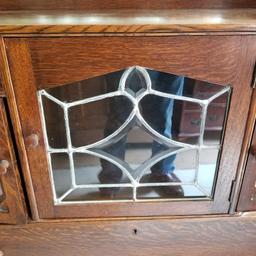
205,176
88,168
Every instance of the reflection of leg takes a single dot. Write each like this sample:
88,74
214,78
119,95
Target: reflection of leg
117,113
111,173
163,171
164,166
165,124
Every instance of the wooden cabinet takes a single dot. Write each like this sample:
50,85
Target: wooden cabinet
127,125
248,192
40,65
12,205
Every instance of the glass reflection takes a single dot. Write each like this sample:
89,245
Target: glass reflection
55,126
207,169
61,173
215,120
160,115
88,169
95,121
135,134
94,194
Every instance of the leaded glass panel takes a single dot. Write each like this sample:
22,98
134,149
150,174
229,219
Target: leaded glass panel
133,135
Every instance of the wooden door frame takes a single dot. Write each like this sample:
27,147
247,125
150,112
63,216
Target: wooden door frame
24,81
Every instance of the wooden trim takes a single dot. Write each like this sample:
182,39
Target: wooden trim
210,237
247,196
244,154
7,84
10,181
53,65
170,34
128,21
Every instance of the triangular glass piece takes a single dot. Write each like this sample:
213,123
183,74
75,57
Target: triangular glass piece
180,85
87,88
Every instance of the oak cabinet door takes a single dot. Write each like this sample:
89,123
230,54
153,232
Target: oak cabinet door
132,126
12,207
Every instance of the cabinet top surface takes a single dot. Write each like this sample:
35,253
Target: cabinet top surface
128,21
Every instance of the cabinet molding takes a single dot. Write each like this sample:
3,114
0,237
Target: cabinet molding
231,236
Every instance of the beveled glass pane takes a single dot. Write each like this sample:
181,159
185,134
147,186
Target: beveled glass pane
180,167
207,169
180,85
61,173
90,169
55,125
138,147
168,118
87,88
134,134
215,120
92,122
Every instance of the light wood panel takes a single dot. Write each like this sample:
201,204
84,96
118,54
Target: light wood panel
128,21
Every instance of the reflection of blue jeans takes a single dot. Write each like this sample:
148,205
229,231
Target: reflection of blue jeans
157,111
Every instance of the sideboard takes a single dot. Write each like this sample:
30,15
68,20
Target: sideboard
128,128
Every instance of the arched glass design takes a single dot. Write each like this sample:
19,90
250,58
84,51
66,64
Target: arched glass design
134,135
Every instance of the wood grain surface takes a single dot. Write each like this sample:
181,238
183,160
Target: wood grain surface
2,92
247,200
58,61
227,236
127,21
13,109
245,184
14,200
